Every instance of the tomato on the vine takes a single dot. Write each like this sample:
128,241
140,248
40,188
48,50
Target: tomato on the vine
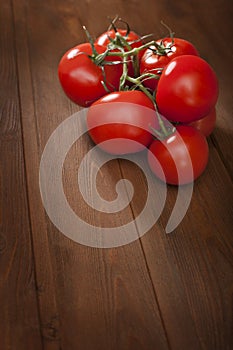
182,156
206,125
155,58
187,89
121,122
132,40
82,80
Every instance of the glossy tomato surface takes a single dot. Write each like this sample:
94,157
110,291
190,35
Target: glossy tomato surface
81,79
121,122
207,124
187,89
185,153
155,59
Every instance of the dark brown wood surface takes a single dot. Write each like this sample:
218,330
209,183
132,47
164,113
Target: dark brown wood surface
161,291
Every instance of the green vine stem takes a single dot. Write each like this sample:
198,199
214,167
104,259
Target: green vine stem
133,51
124,75
165,132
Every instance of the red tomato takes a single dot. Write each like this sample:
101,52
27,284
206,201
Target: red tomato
152,61
132,39
123,119
187,89
104,40
184,152
207,124
81,78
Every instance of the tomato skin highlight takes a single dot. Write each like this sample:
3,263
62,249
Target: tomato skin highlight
120,118
186,150
81,79
151,61
187,89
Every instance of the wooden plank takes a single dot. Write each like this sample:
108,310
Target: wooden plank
45,285
87,297
19,325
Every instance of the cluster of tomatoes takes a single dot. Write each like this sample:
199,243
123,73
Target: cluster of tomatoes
159,95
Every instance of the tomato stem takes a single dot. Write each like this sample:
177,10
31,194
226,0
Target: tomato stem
138,83
124,74
95,53
127,26
165,131
112,25
171,33
133,51
123,42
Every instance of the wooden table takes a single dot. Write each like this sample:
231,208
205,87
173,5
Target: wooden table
162,291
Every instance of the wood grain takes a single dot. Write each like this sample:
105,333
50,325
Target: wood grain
163,291
19,325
